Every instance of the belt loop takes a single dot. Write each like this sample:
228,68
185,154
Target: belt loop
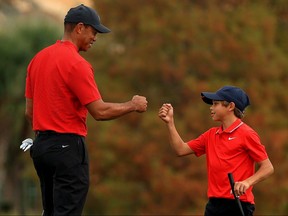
36,133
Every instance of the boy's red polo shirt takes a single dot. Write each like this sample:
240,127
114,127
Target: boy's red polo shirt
60,82
234,150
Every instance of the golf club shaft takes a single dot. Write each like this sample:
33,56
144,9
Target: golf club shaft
232,183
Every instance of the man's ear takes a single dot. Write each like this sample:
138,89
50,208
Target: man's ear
79,27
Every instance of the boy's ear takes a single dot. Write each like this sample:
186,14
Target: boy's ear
232,106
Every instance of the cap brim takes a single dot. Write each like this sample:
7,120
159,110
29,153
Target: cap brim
101,28
208,97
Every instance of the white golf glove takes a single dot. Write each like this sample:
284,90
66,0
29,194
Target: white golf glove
26,144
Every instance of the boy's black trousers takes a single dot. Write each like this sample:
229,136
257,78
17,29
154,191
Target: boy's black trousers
227,207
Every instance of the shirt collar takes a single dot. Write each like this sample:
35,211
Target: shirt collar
236,124
67,43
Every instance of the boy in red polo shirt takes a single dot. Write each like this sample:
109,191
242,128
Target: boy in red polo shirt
233,147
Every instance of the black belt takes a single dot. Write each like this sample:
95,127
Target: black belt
221,200
47,132
51,132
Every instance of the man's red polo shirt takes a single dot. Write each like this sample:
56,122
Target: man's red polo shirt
60,82
234,150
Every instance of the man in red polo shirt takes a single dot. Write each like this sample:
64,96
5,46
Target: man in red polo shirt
60,91
234,147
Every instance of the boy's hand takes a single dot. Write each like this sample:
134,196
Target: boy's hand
241,187
166,112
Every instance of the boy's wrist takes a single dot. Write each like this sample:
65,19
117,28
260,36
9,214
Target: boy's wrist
170,123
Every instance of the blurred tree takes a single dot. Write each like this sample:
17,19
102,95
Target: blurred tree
170,51
17,47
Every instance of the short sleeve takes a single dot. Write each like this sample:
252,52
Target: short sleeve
82,83
198,145
254,147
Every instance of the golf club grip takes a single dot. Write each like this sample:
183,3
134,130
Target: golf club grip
232,183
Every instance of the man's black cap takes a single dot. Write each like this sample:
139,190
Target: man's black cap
87,16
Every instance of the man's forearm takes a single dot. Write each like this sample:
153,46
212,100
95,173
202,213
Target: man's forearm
29,110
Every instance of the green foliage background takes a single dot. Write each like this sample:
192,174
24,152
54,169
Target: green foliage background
168,51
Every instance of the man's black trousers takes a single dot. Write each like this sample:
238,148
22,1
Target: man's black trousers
61,162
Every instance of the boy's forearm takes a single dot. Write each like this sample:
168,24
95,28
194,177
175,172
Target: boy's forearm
174,137
265,170
176,142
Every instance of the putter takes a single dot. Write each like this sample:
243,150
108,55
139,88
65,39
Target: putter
232,183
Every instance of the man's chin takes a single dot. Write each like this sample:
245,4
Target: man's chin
83,50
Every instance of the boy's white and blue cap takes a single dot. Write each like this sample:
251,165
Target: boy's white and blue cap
229,94
87,16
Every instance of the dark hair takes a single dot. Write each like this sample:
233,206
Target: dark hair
238,113
68,27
